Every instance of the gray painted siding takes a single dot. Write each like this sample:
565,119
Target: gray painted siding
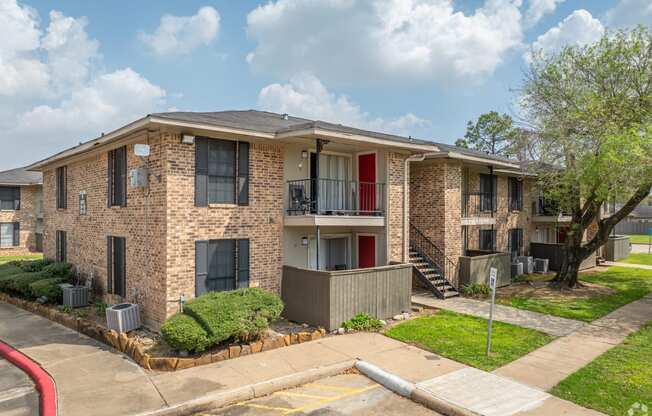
616,248
328,298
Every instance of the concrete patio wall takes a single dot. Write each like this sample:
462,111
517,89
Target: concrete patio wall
616,248
328,298
475,269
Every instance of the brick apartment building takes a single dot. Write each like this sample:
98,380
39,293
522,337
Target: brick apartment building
21,215
177,204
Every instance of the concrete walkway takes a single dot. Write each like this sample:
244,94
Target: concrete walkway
94,379
547,366
642,248
630,265
18,395
541,322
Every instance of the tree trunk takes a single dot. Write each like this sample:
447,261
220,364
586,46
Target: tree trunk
567,276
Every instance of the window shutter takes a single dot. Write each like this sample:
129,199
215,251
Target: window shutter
16,234
109,179
201,267
243,263
64,190
109,264
520,195
119,281
121,154
201,172
510,194
243,173
17,199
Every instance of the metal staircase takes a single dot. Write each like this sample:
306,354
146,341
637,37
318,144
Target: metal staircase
434,270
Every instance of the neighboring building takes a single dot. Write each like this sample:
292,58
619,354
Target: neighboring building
21,215
224,200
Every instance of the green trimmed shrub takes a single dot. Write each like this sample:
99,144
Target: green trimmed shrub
478,290
34,265
363,322
48,288
241,314
9,269
20,282
7,280
59,269
183,333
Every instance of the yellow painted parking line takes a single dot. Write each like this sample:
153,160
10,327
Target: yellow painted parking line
284,410
331,399
334,388
293,394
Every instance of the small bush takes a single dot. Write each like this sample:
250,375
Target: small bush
48,288
20,282
476,290
59,269
34,265
362,322
241,314
9,269
183,333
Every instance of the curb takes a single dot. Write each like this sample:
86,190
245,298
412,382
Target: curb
251,391
411,391
44,383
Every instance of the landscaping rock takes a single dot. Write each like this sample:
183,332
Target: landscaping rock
316,334
256,346
183,363
123,340
406,315
111,337
287,339
294,338
246,350
323,332
304,337
399,317
234,351
203,359
163,363
273,343
383,323
220,355
341,331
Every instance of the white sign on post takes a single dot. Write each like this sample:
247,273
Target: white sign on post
493,276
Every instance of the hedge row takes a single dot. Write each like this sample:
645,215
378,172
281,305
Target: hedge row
215,317
34,279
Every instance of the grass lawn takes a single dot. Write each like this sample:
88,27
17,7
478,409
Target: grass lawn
639,239
606,291
463,338
6,259
638,258
616,380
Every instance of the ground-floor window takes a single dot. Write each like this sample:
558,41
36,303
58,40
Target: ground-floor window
221,265
515,242
9,234
61,246
116,265
488,240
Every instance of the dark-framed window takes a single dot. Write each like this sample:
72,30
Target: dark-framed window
116,266
62,185
221,172
117,177
9,234
61,246
515,242
488,240
515,194
221,265
9,198
83,203
488,191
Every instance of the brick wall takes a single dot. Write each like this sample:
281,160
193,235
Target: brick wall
27,216
395,207
141,222
261,222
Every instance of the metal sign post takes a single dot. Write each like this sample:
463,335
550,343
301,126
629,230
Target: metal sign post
649,240
493,272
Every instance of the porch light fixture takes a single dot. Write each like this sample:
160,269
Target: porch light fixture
304,241
304,156
187,139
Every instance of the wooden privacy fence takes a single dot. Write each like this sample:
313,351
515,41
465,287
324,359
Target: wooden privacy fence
555,253
633,226
328,298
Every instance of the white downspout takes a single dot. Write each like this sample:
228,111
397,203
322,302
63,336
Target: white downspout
406,193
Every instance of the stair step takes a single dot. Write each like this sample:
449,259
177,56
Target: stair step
450,294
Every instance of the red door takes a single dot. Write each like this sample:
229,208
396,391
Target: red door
367,178
366,251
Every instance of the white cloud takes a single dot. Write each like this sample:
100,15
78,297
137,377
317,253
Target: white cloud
578,28
539,8
182,34
52,94
629,13
380,40
306,96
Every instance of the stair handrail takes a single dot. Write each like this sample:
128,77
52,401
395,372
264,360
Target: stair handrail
447,266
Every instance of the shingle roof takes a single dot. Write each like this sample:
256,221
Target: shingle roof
20,176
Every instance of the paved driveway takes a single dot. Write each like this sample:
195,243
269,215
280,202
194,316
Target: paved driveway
18,397
346,394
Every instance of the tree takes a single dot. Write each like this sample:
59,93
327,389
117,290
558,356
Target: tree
591,110
492,133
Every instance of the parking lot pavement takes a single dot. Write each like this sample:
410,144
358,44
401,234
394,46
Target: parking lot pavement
346,394
18,396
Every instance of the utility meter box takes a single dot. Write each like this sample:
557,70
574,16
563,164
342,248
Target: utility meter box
139,178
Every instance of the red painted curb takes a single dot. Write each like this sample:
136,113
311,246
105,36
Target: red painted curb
44,383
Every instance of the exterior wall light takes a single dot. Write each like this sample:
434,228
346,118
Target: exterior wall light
187,139
304,241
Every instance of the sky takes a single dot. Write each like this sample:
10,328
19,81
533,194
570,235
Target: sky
71,70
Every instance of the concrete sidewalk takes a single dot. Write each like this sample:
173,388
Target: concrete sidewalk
549,324
630,265
550,364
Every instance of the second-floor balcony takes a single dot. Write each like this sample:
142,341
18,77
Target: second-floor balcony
335,198
478,208
545,210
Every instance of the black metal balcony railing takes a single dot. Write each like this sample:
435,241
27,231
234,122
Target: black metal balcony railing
547,208
478,204
335,197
